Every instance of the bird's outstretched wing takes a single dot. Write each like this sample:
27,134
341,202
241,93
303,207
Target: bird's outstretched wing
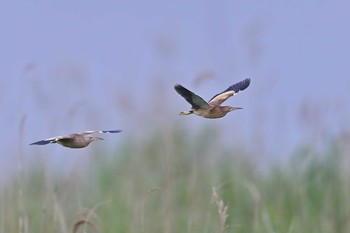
230,91
195,100
49,140
99,131
42,142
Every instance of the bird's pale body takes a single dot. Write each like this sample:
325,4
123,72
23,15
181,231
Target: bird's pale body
77,141
213,113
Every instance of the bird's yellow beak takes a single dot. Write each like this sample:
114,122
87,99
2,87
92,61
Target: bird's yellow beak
97,139
235,108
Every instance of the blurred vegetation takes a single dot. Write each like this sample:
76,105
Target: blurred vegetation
176,182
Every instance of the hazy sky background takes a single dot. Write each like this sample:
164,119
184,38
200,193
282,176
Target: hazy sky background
78,65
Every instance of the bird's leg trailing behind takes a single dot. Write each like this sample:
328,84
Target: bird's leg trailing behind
186,113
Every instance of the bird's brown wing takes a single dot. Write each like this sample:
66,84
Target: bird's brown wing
99,131
230,91
196,101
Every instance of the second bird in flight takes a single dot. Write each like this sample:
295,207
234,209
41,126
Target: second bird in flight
75,140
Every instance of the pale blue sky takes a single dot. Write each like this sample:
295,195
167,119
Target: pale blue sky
67,66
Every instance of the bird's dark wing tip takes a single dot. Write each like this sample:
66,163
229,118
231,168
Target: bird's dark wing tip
182,90
178,87
240,86
245,83
112,131
42,142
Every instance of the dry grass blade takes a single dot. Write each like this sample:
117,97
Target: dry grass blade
222,210
148,193
85,220
81,222
23,219
255,193
60,215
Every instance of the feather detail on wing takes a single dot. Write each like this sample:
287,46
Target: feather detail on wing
195,100
47,141
230,91
99,131
42,142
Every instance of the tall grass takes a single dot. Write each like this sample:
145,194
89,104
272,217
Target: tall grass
176,183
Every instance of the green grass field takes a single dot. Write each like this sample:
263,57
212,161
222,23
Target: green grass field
172,183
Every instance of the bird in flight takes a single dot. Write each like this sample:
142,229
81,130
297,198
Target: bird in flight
212,108
75,140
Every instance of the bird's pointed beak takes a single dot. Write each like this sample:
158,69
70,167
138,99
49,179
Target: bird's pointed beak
235,108
96,139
